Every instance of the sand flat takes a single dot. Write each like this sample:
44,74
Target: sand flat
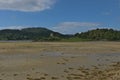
60,61
65,47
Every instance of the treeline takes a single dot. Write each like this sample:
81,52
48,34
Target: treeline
35,34
43,34
100,34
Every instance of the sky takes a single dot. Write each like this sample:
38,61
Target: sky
64,16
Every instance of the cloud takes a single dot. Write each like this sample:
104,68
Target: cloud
15,27
26,5
77,24
74,27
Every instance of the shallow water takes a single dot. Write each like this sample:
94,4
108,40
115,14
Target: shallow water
52,63
87,59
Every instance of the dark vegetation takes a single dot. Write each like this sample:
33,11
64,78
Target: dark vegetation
35,34
100,35
43,34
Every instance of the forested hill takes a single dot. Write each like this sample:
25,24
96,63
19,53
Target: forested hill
28,34
100,34
43,34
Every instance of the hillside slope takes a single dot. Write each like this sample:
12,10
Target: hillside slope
27,34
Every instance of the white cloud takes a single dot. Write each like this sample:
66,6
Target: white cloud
74,27
77,24
26,5
15,27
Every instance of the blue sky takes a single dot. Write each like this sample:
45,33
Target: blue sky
64,16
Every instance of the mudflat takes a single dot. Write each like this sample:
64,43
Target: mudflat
60,60
65,47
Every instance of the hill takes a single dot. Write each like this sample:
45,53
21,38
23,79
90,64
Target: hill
43,34
100,34
28,34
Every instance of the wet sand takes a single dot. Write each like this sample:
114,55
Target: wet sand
60,61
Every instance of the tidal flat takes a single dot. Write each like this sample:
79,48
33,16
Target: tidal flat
60,60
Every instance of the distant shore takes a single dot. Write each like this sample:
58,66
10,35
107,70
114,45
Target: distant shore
15,41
